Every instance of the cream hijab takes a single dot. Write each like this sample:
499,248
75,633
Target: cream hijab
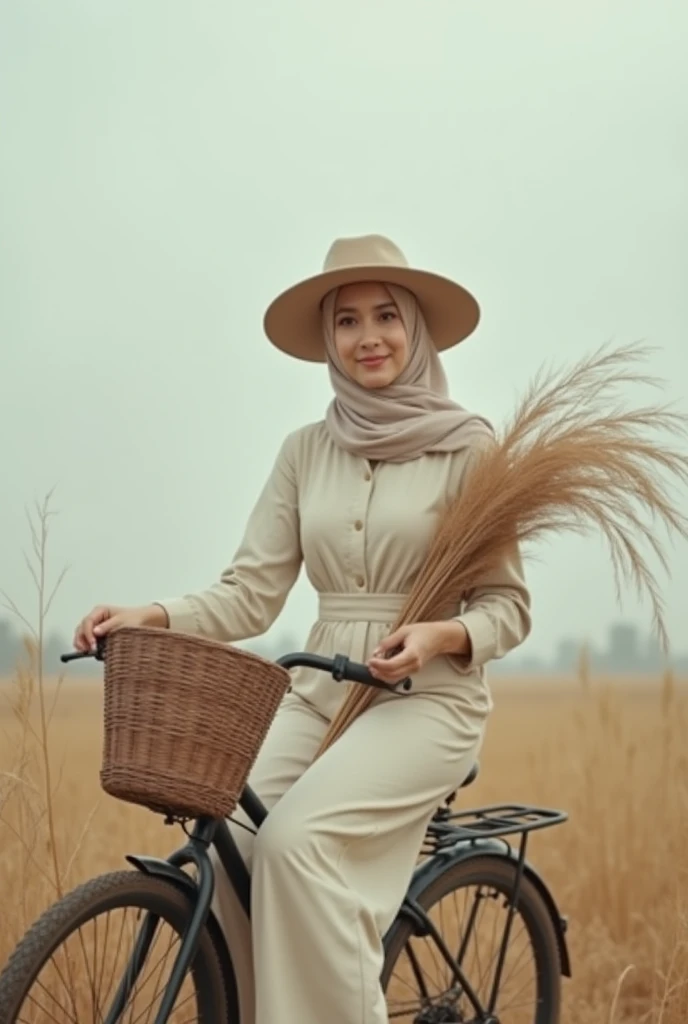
409,417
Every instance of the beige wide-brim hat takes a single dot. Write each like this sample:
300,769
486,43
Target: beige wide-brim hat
292,321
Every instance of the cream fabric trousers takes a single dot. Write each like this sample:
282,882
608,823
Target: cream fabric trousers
331,863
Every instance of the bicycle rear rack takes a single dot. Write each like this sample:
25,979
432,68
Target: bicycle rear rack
448,827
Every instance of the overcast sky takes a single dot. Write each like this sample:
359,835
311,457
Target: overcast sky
166,168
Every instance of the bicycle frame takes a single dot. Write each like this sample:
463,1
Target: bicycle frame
446,842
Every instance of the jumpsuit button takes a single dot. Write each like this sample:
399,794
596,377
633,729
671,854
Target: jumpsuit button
367,476
358,525
360,581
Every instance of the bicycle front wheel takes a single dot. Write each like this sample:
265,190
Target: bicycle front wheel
468,905
69,966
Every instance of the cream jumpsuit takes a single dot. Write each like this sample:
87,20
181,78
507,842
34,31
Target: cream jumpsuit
331,864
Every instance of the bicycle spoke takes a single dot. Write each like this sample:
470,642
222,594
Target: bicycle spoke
471,921
158,992
102,971
90,979
51,996
114,962
173,940
66,985
50,1015
68,991
495,955
94,922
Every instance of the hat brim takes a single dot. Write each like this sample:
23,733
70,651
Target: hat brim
292,321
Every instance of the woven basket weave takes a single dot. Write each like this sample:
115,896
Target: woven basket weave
185,718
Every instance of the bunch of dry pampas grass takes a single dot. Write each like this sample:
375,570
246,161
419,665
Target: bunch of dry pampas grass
570,458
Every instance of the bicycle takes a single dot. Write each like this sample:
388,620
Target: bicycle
461,850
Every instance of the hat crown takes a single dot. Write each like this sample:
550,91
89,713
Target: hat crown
364,251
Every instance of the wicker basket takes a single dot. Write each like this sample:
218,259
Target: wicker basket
185,718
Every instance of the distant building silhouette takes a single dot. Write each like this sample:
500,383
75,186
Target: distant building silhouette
626,652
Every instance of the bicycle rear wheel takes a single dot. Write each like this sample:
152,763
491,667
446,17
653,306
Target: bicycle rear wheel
468,904
70,964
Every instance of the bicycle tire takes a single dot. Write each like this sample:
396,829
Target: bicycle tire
498,873
116,890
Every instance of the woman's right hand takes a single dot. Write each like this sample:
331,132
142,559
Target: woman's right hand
104,618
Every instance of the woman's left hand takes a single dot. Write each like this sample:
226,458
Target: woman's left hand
419,643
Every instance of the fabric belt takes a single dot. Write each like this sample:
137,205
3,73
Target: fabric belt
360,607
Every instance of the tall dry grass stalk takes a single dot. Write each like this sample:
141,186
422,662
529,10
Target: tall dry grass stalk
29,788
571,458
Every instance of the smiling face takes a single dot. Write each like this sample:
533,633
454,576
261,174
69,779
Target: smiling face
369,335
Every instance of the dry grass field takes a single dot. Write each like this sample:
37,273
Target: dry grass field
612,753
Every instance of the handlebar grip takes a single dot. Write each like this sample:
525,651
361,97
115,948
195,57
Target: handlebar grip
358,673
355,672
76,655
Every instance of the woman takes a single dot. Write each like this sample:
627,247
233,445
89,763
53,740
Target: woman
356,498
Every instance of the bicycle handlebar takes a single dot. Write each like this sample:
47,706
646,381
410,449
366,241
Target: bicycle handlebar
339,667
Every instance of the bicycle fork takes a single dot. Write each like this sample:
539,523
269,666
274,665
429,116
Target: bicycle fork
195,852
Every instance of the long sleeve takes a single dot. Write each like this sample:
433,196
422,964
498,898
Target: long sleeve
252,591
496,614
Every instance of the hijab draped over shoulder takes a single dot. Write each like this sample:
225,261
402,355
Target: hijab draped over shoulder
408,418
